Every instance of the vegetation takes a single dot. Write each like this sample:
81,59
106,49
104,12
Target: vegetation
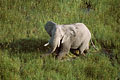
22,37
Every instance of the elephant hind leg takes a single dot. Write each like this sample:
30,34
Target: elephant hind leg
84,47
87,48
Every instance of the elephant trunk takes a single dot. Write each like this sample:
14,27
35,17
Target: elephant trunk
55,42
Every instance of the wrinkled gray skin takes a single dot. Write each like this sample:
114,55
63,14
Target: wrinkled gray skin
68,38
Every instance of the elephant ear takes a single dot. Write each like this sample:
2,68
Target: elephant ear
70,32
49,26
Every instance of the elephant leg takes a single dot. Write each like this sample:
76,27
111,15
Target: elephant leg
64,49
83,46
86,50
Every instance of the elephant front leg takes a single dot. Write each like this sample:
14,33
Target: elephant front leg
61,55
64,49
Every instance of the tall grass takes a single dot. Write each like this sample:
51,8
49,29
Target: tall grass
22,37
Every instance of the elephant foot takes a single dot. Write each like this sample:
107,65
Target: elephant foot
59,58
83,54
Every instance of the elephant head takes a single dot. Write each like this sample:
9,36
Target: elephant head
58,34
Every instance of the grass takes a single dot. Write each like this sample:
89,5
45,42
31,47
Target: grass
22,36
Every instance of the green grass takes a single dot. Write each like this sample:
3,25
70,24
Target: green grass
22,36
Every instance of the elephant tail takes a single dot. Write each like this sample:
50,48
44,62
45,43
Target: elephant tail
93,45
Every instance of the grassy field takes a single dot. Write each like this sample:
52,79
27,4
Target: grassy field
22,36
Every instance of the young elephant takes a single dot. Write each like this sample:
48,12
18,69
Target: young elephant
67,38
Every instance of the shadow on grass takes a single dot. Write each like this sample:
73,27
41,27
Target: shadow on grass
25,45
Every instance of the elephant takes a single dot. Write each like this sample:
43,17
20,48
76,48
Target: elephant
68,37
